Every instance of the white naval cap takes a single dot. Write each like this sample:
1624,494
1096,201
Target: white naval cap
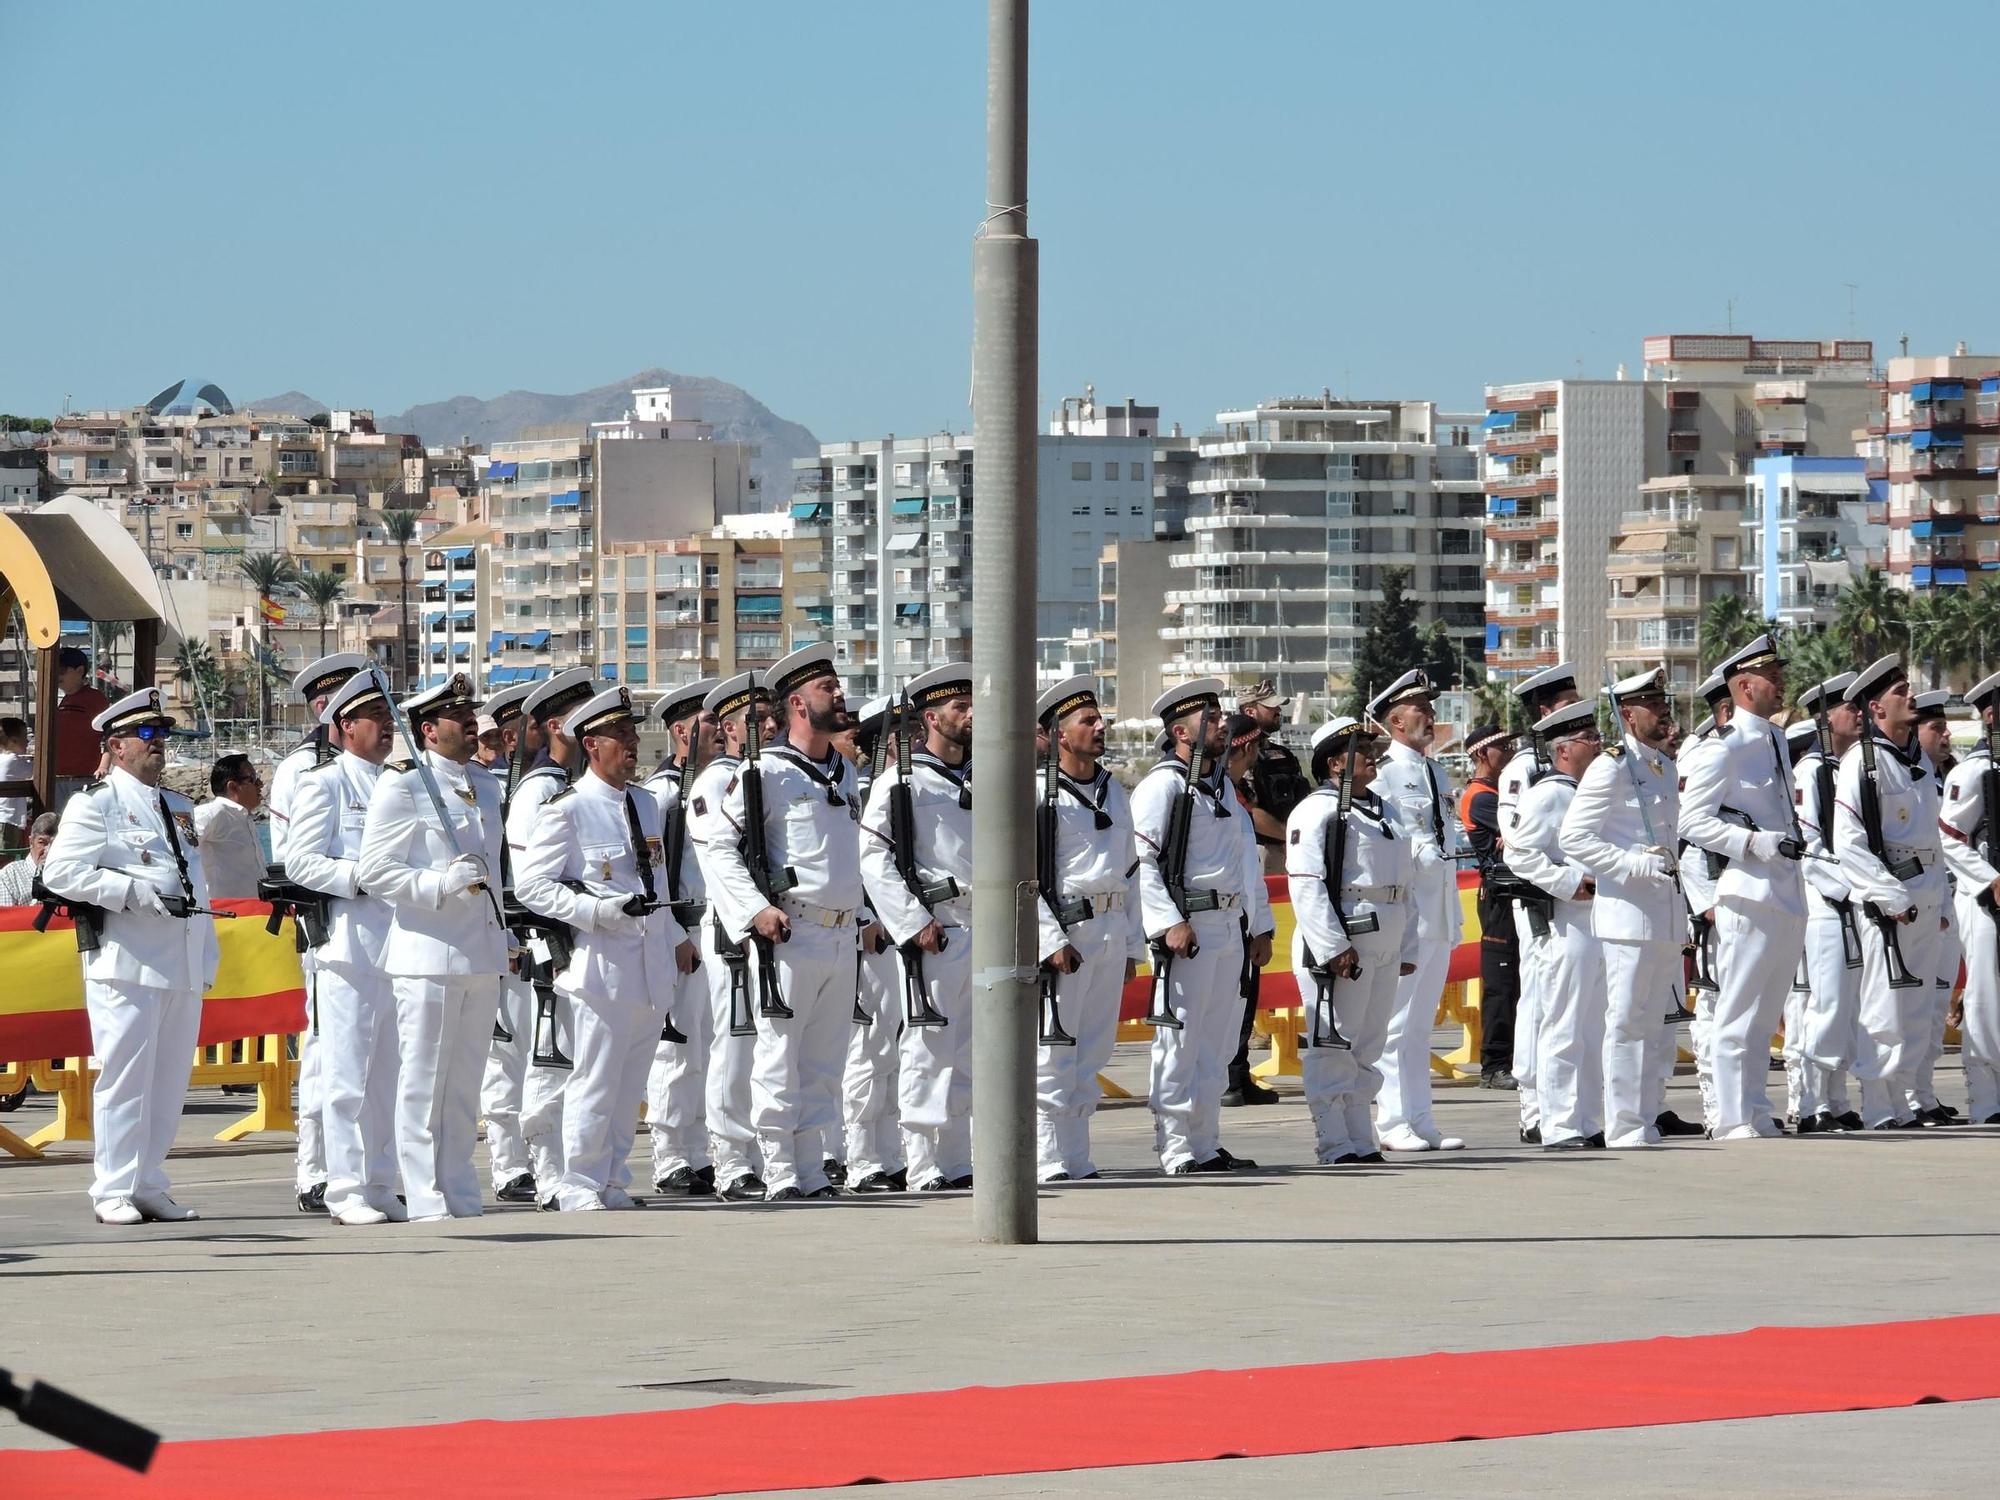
807,664
1199,692
939,685
1548,680
360,690
1802,735
556,697
601,711
1714,689
731,694
1986,690
1408,688
1761,652
682,702
1571,719
454,692
1065,698
1706,726
328,673
1873,679
1932,705
1823,695
1649,684
1339,728
142,707
507,705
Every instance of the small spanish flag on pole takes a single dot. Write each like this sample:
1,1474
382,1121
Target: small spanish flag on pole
272,610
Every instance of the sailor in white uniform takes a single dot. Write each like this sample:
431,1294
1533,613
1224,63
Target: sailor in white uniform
503,1086
1934,736
1971,841
1828,1019
868,1078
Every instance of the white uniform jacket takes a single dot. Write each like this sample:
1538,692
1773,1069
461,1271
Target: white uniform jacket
1221,853
1515,779
1962,824
1603,833
664,788
306,755
1378,865
114,837
1695,879
807,827
1825,881
585,835
1906,789
1534,852
1749,774
1092,862
403,856
323,853
1415,785
943,831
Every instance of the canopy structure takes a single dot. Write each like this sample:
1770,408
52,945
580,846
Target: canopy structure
69,560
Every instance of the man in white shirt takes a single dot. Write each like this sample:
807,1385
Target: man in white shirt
235,857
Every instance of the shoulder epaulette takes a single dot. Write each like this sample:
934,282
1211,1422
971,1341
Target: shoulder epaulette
402,765
96,784
568,791
1617,751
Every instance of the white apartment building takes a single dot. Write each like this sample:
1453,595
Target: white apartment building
1811,525
1295,509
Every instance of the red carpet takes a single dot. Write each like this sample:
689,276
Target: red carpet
1148,1419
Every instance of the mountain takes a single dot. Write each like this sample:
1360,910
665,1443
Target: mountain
291,404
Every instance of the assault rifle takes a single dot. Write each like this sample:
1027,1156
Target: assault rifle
1173,874
1325,1032
1886,923
1823,778
1049,878
311,911
917,1007
771,883
87,919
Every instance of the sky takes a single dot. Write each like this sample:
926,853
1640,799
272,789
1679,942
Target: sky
380,204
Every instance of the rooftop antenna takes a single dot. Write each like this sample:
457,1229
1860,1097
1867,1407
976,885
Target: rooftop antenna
1903,342
1852,288
1729,316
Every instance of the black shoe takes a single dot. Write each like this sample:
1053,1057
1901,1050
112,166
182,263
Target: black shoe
1255,1093
1373,1158
679,1183
1819,1124
1574,1143
1915,1122
900,1179
960,1184
784,1195
935,1185
749,1188
1233,1099
1595,1140
836,1172
517,1190
313,1199
1668,1123
1098,1176
1532,1136
831,1190
548,1205
1777,1065
1937,1114
1057,1177
705,1176
1234,1163
1185,1169
874,1182
1949,1110
1213,1165
1499,1078
1346,1159
1991,1120
1887,1125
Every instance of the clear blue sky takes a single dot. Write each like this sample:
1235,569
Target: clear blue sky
381,204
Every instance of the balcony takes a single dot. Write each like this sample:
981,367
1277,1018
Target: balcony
1518,443
1516,486
1652,606
1522,573
1523,528
1633,521
95,476
1520,658
1944,463
1683,442
1520,614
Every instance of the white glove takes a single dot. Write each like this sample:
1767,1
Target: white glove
145,898
1764,844
1647,864
462,874
611,916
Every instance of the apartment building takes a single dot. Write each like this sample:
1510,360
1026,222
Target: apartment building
1936,448
1296,508
1564,462
1810,526
1678,548
1132,581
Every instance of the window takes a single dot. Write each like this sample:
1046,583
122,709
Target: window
635,671
1111,471
1079,510
1081,578
1138,510
1111,510
1080,470
183,529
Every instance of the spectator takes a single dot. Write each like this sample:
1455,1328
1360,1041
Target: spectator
1488,746
1275,783
79,750
1246,748
229,847
14,766
18,879
492,751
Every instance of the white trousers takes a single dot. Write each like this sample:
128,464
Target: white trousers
615,1041
1569,1041
1950,951
358,1066
1066,1091
1757,953
795,1064
144,1040
1405,1100
1642,984
868,1078
1797,996
502,1087
1979,1038
1895,1024
676,1115
309,1161
1190,1067
542,1094
934,1078
726,1096
442,1030
1832,1012
1527,1019
1341,1085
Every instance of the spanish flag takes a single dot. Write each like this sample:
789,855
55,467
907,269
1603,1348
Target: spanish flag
273,611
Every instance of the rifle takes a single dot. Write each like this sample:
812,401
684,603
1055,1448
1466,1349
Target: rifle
1325,1032
551,945
87,919
872,769
311,911
757,857
1989,792
917,1007
1900,977
1173,874
1823,774
1692,949
1067,913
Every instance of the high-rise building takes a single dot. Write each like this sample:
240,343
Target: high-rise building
1678,548
1296,509
1811,525
1937,447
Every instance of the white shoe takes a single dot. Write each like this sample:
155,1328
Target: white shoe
390,1209
355,1215
159,1207
118,1211
1445,1143
617,1197
1406,1139
1741,1133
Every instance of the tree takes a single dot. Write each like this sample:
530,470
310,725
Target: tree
323,590
1873,615
1443,658
1982,625
1391,647
1726,626
1811,659
267,572
195,664
399,524
1940,636
106,635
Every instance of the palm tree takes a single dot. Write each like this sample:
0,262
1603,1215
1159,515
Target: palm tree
324,590
267,572
1811,659
105,637
1939,638
399,524
1872,615
195,664
1982,626
1725,625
